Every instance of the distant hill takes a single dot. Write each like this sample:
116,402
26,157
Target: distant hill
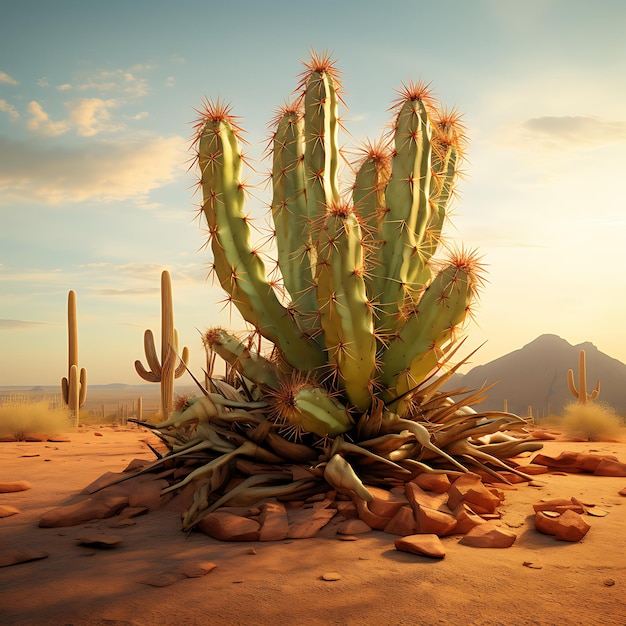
536,375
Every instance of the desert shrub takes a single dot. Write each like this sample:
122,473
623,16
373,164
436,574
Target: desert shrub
593,421
19,419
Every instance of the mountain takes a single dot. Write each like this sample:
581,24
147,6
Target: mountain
536,375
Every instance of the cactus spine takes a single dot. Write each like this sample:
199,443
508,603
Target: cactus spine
165,370
581,393
74,387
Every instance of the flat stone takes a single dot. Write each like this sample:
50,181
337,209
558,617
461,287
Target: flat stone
559,505
12,487
433,521
385,503
425,544
7,511
466,519
609,467
470,488
417,497
195,569
622,492
403,523
85,511
371,519
569,526
100,540
305,523
274,522
331,576
228,527
488,536
353,527
533,470
14,556
439,483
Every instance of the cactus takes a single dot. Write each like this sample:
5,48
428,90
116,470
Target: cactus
581,393
165,370
367,313
74,387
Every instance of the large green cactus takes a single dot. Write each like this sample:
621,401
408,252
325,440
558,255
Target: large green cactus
363,310
366,313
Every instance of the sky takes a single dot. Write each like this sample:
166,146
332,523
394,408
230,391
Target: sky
97,104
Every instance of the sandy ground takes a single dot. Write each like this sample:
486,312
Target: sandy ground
536,581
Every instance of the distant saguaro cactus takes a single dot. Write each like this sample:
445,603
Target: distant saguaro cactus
581,393
74,387
164,371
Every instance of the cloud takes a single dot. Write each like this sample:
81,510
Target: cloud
43,82
88,116
97,172
6,79
6,324
574,131
115,81
64,87
9,109
41,123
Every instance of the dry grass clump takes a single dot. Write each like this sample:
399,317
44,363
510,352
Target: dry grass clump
592,421
20,419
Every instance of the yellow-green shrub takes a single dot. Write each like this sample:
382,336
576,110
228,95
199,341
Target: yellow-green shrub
592,421
19,419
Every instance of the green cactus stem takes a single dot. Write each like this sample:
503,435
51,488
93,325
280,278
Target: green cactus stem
165,370
238,266
346,313
74,387
580,393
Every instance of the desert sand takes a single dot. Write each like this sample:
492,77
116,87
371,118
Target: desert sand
538,580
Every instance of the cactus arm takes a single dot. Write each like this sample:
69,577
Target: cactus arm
82,383
289,211
346,313
147,375
421,342
409,211
321,154
240,270
252,366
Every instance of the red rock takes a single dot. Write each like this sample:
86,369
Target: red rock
135,464
228,527
85,511
12,487
371,519
439,483
469,488
13,556
100,540
305,523
466,519
533,469
565,461
426,545
568,526
353,527
488,536
7,511
346,509
558,505
403,523
98,434
274,522
433,521
417,497
622,492
385,503
590,462
609,467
